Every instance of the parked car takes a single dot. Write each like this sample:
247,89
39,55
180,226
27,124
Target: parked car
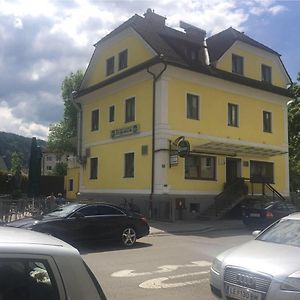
260,214
266,268
35,266
79,221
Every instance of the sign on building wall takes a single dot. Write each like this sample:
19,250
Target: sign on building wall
125,131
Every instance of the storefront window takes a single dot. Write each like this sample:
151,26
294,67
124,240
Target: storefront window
200,167
261,171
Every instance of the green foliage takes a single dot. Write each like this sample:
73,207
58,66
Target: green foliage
16,162
60,169
10,143
61,135
60,139
71,83
294,136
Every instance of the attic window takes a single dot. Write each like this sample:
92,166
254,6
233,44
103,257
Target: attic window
123,57
110,66
266,72
237,64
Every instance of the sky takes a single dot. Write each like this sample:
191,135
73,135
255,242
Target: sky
43,41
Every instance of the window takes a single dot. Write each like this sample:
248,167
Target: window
261,171
200,167
110,66
49,168
129,165
130,110
237,64
192,107
266,73
71,185
99,210
94,168
123,57
112,113
267,120
95,120
49,158
27,278
233,114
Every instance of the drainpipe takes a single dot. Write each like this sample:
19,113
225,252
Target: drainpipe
79,124
155,78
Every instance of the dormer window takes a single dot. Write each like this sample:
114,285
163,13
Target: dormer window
266,74
237,64
110,66
123,58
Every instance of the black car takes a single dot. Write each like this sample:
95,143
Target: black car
260,214
79,221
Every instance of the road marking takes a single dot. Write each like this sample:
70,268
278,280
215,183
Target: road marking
158,283
161,269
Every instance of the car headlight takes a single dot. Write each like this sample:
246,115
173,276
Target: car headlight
292,282
217,265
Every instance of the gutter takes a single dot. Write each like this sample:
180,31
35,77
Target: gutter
79,124
155,78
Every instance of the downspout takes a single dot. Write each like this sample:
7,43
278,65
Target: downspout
79,124
155,78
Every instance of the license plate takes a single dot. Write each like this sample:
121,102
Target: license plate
256,215
241,293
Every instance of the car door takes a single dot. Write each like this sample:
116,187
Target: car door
109,222
280,210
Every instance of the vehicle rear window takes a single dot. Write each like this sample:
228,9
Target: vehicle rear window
26,279
285,232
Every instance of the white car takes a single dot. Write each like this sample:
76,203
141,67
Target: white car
36,266
266,268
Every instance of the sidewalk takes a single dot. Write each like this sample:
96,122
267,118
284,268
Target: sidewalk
160,228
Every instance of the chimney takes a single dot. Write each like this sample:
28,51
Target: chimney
193,31
154,19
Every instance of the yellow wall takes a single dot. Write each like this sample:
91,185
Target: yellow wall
252,64
143,111
214,110
111,165
72,173
138,52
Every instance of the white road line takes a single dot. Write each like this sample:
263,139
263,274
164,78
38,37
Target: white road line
161,269
158,283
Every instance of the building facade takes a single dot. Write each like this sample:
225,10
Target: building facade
169,118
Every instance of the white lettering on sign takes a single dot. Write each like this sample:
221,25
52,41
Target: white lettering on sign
161,269
158,283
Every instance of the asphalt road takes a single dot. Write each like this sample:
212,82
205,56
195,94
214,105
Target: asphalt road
162,266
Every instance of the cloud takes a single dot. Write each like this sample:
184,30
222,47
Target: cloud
43,41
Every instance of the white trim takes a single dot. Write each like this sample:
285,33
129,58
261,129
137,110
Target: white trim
124,109
117,140
260,52
199,104
124,165
238,114
123,34
115,191
111,122
224,85
91,119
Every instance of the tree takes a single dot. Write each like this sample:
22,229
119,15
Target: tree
71,83
294,136
62,135
16,162
60,169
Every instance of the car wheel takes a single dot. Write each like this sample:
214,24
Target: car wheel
128,236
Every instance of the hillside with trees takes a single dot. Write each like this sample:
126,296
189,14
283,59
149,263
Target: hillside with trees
12,143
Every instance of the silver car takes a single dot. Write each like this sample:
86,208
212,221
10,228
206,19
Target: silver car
266,268
36,266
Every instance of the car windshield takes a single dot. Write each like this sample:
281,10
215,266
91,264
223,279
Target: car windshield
64,211
285,232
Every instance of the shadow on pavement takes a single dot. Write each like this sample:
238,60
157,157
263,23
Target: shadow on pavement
94,247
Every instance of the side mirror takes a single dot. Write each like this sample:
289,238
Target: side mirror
255,233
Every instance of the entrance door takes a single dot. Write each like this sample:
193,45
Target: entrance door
233,169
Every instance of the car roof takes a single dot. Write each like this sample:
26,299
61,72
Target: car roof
15,238
293,216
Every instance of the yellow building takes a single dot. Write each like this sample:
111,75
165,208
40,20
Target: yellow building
171,121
